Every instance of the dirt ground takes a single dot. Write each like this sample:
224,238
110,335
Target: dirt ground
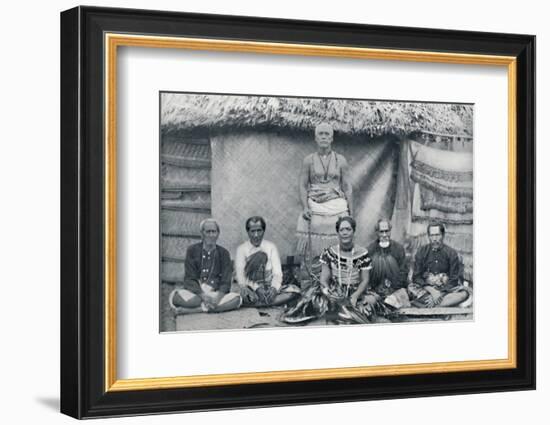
251,318
244,318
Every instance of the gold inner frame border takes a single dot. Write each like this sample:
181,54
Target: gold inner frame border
111,43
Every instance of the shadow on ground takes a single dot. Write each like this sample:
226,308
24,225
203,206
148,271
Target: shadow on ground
49,402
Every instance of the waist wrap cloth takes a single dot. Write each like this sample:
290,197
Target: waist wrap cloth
320,230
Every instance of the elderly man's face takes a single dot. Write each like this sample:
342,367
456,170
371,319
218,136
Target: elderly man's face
435,236
384,231
210,233
255,233
323,136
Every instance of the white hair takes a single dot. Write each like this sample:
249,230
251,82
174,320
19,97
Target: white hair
380,221
208,220
325,125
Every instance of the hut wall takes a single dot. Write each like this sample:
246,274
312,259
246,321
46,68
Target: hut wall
185,198
257,173
445,173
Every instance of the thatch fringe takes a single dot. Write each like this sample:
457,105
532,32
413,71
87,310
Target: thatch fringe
180,111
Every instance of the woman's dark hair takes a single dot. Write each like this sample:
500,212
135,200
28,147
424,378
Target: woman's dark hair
255,219
349,219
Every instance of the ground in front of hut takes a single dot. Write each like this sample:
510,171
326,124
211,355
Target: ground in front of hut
244,318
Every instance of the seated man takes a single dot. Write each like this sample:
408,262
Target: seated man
436,280
389,266
258,269
208,271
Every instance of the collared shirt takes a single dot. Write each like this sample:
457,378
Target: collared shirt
212,268
443,260
273,266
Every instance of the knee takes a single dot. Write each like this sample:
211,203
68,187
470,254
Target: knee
185,298
230,301
284,298
233,300
463,296
454,299
371,299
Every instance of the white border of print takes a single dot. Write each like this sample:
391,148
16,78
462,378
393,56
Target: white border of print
143,72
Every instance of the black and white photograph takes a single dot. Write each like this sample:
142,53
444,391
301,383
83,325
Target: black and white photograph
301,211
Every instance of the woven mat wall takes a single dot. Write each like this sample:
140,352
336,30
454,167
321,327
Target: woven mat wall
185,198
410,226
257,173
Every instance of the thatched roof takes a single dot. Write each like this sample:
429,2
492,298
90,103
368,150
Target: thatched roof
373,118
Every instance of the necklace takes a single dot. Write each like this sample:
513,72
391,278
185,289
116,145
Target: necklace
346,250
327,167
349,264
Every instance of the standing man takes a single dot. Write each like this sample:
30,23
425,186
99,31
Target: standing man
208,272
325,194
258,269
437,272
389,263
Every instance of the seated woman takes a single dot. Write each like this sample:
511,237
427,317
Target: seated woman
325,193
207,281
258,269
342,290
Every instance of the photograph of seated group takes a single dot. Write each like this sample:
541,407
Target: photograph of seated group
298,211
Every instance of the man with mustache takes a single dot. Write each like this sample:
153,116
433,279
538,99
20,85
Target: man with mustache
437,279
258,269
389,263
325,194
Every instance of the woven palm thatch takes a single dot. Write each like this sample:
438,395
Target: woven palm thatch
175,247
373,118
185,198
185,162
181,222
431,199
174,176
182,147
166,196
199,201
173,271
257,173
419,214
447,198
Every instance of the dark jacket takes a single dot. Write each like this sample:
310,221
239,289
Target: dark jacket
445,260
219,275
397,251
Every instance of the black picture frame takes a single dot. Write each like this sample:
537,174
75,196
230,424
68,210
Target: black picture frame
83,168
